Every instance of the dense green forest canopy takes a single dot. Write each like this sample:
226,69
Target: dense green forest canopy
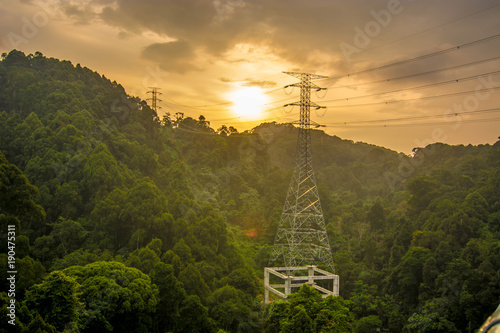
130,222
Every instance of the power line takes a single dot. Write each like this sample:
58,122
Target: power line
432,28
425,56
417,98
421,73
418,87
470,121
342,124
403,77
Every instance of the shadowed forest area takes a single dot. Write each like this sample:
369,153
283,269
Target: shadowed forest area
130,222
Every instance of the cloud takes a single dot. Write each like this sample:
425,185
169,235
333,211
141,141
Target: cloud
259,83
250,82
305,34
176,56
81,14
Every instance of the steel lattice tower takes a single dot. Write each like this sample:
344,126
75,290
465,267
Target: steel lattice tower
154,98
301,238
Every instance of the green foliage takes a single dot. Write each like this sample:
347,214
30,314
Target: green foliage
306,311
65,237
38,325
194,316
17,195
194,283
116,297
227,306
171,296
30,272
363,300
430,319
368,324
55,300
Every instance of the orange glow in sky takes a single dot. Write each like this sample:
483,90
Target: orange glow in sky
248,102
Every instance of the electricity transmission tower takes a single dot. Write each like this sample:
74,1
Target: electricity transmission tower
301,238
154,98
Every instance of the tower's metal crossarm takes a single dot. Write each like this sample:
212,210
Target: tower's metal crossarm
301,238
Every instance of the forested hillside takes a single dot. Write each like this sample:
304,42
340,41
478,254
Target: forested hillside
128,222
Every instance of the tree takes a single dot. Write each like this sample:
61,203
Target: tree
299,322
203,123
30,272
363,300
143,259
38,325
307,297
306,311
17,195
193,282
227,306
55,300
368,324
422,192
101,173
376,217
166,120
171,296
430,319
66,236
132,217
194,316
117,297
242,279
232,130
334,315
278,313
407,276
179,116
223,130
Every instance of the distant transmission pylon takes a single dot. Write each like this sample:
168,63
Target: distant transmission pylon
154,98
301,238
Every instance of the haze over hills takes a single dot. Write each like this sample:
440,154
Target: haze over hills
156,225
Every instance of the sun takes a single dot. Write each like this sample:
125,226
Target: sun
248,102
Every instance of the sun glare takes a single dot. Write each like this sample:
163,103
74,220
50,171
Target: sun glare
248,102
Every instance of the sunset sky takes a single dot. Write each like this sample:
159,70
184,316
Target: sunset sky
224,59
